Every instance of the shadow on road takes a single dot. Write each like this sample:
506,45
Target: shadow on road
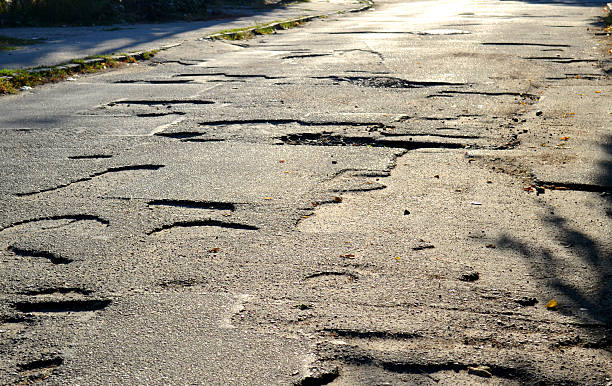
79,42
589,289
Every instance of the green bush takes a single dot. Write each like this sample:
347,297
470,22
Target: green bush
87,12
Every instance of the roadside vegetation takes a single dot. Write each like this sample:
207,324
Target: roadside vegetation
261,29
9,44
12,81
90,12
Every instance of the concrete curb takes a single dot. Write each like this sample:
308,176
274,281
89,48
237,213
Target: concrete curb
75,67
144,55
279,25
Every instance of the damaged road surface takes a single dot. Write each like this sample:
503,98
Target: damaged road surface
418,193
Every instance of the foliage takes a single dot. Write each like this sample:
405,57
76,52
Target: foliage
88,12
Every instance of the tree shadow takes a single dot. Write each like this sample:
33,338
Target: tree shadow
61,44
591,297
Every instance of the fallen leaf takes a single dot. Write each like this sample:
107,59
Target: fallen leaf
282,161
213,250
267,198
552,304
337,199
597,92
491,246
565,138
397,258
348,256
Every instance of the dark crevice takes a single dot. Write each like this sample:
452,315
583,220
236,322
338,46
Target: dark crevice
555,59
292,121
61,290
204,223
162,102
323,139
53,306
365,188
350,275
153,115
179,283
302,56
362,334
194,204
320,378
526,44
484,93
367,32
154,81
454,136
52,257
92,156
387,82
92,176
180,134
574,186
240,76
74,218
372,173
55,361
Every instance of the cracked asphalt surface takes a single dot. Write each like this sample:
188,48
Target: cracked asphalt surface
385,197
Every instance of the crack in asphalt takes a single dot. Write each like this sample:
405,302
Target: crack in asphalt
52,257
91,177
204,223
72,217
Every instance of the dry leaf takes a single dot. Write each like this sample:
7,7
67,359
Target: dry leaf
565,138
552,304
348,256
267,198
337,199
213,250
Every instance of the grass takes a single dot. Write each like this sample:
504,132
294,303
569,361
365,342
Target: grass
261,29
11,81
10,44
107,12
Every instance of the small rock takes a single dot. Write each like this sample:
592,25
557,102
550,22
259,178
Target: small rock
470,276
406,212
539,112
25,88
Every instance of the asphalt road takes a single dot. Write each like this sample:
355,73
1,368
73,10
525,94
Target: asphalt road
387,197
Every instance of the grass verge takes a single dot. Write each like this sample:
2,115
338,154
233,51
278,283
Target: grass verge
262,29
10,44
12,81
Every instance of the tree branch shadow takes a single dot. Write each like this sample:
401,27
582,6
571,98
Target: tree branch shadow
587,299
